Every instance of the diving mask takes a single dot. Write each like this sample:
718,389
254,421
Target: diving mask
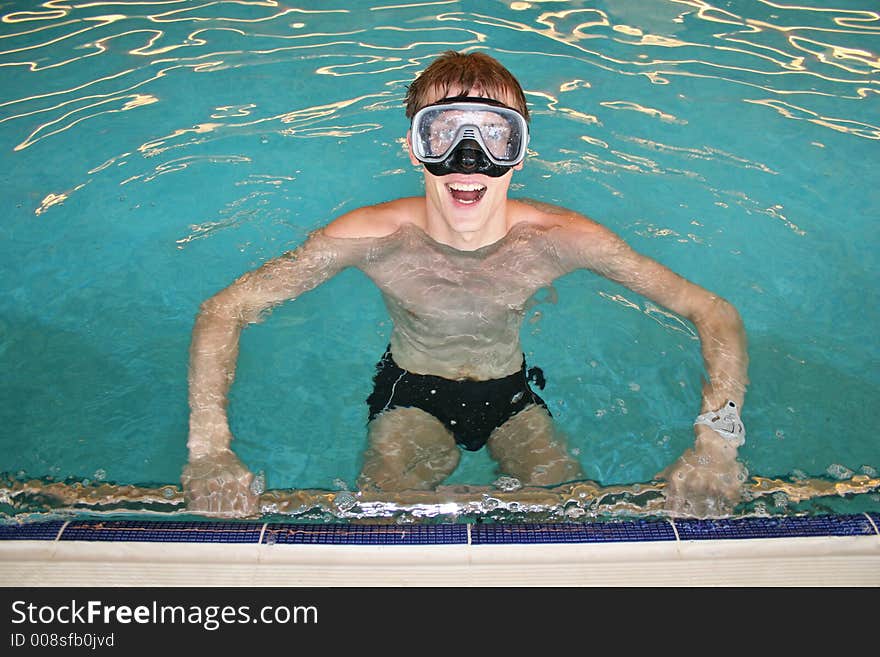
469,135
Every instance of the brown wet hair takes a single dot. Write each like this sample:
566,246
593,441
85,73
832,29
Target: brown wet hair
456,74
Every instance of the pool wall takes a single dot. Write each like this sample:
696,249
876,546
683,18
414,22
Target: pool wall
832,550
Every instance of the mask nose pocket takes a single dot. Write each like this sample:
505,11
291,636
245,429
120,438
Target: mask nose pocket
470,156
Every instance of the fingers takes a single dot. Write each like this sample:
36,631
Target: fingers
226,501
698,489
219,490
707,503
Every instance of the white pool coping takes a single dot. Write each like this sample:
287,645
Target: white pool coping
799,561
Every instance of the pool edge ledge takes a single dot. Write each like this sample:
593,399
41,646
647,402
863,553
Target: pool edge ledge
802,561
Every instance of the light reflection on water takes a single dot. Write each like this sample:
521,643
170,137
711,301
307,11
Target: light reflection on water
177,144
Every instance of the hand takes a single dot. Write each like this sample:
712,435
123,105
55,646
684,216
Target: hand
219,484
707,480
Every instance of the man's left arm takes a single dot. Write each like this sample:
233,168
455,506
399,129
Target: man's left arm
707,479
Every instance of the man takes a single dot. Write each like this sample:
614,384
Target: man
456,268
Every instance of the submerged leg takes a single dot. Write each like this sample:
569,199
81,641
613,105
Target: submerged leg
409,449
529,447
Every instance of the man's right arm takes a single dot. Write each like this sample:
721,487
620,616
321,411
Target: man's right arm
215,481
214,348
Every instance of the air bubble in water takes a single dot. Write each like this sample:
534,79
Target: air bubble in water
780,499
507,484
344,501
839,471
258,485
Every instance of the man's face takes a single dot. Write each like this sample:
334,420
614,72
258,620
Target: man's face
466,200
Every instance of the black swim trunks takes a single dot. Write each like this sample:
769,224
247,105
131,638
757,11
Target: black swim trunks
471,410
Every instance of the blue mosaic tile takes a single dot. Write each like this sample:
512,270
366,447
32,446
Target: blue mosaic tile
34,531
598,532
163,532
781,527
366,534
445,534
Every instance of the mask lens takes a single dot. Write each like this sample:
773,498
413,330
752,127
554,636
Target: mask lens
501,132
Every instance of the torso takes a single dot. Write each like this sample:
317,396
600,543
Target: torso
457,314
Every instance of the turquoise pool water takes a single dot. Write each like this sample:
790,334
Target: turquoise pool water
152,152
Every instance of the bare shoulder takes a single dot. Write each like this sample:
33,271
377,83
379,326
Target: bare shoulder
377,220
547,215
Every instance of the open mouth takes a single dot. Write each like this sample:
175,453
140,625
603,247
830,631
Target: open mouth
466,193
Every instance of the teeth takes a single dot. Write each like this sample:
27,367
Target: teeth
466,187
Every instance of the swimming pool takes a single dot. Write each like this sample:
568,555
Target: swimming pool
153,152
